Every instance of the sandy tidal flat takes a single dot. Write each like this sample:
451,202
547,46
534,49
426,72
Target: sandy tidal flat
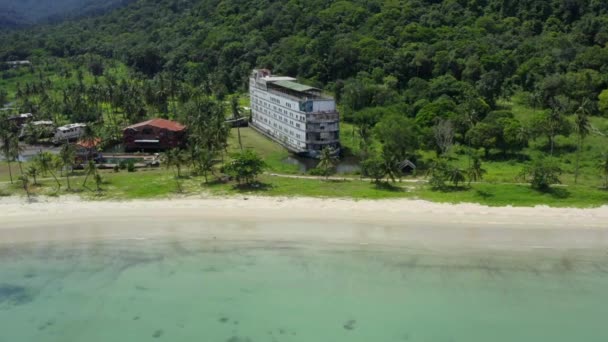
384,222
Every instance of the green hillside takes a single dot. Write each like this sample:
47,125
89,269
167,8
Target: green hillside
514,87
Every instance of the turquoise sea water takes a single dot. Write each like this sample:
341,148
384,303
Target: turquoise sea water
173,290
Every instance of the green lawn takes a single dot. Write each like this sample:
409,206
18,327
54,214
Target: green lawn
273,153
161,183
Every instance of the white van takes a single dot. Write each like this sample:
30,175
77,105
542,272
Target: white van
69,132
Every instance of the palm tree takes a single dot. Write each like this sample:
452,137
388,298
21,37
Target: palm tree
456,175
33,171
16,151
236,114
7,140
90,138
554,122
68,157
327,161
475,172
90,169
206,161
581,127
98,182
25,182
175,158
46,163
603,167
390,164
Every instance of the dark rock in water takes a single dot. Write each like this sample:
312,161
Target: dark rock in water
224,319
29,275
136,318
350,325
158,333
14,294
47,324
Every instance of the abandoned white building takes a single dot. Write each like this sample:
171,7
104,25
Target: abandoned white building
297,116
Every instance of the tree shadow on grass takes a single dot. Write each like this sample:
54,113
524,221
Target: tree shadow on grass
558,193
452,188
335,181
386,186
484,194
213,182
253,187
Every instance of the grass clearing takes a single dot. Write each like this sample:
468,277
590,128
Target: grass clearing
161,183
273,153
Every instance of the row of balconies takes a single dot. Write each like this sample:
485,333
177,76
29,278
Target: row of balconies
322,142
322,138
322,128
322,117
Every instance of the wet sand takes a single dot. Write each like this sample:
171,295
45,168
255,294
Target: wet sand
335,221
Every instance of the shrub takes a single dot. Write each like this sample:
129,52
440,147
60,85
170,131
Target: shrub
131,166
374,168
316,172
439,174
542,173
245,166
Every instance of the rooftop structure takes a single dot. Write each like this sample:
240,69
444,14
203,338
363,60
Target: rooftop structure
161,124
71,127
296,115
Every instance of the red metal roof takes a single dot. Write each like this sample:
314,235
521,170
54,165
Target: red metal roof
160,123
89,143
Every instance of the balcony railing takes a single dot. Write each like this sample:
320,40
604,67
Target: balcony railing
322,141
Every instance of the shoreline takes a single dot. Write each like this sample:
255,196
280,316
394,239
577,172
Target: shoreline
400,222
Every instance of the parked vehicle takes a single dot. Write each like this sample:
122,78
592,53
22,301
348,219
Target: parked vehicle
71,132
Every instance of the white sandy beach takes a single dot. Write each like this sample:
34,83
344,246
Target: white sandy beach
382,222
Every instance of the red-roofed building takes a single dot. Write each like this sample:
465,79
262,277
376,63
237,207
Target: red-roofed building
154,135
87,149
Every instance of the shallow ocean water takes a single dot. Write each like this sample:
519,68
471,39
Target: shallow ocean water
200,290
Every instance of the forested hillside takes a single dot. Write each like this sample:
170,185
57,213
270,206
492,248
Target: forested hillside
492,46
507,79
16,13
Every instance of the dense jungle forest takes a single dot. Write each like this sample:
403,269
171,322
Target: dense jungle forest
446,83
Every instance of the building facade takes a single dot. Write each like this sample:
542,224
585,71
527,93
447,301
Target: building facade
297,116
154,135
